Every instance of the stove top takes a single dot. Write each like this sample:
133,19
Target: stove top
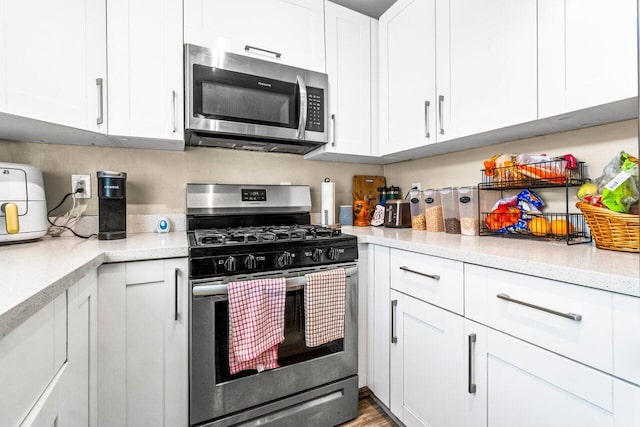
266,234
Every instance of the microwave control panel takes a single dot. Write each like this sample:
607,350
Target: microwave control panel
315,109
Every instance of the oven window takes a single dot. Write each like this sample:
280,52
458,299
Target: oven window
292,350
227,95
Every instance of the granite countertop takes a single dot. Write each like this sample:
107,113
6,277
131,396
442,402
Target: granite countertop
34,273
581,264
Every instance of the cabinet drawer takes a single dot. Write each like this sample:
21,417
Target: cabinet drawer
30,356
571,320
435,280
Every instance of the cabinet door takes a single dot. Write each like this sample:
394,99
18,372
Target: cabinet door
487,77
145,68
55,61
143,343
520,384
407,75
427,384
626,339
588,53
287,31
348,39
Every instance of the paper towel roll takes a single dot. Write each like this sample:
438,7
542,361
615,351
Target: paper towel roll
328,205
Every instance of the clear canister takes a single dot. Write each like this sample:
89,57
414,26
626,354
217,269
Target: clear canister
433,210
468,209
450,213
417,211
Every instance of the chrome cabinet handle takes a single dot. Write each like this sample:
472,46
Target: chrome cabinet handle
276,54
333,121
173,111
175,282
303,107
572,316
430,276
440,106
472,346
427,104
394,306
100,118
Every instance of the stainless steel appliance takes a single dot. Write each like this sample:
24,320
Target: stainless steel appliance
112,205
23,206
240,232
234,101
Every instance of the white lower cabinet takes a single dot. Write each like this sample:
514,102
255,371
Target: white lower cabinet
143,343
426,363
517,383
48,363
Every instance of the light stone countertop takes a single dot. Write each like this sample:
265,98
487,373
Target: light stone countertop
581,264
32,274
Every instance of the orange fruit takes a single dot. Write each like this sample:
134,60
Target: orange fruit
561,227
539,226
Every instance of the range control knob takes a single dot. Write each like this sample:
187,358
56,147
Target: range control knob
230,264
250,262
316,255
285,259
333,254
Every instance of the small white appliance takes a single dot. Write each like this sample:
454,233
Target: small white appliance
23,207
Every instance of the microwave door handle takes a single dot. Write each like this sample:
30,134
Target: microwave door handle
303,107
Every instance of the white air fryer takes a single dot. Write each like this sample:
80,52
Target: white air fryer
23,207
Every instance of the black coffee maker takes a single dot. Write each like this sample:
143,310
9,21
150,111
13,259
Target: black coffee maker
112,205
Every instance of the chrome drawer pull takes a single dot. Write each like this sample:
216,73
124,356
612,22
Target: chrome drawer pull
394,307
471,385
430,276
572,316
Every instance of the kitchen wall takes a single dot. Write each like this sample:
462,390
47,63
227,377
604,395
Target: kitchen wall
156,179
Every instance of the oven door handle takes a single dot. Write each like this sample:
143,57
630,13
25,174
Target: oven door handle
302,122
220,289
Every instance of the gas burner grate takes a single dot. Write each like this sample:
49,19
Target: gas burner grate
247,235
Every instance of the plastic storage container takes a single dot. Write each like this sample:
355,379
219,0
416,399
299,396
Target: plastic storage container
468,209
450,213
418,221
433,210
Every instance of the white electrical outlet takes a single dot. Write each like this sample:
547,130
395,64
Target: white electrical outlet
416,185
81,182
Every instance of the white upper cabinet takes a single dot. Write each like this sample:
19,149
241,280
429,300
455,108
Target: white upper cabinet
588,55
487,70
407,75
145,69
53,62
285,31
348,37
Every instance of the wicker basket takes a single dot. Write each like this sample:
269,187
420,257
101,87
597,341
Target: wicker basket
611,230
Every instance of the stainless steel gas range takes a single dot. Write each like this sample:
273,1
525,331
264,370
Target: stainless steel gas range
244,232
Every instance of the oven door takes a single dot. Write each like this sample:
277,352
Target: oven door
214,392
235,95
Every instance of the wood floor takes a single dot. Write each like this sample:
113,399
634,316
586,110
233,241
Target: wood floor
370,415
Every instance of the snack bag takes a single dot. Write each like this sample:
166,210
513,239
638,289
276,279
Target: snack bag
619,183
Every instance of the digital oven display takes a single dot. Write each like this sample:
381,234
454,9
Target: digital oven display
253,195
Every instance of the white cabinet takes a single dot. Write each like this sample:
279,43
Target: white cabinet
348,36
427,381
143,343
626,338
48,364
587,54
487,66
54,62
408,98
286,31
517,383
378,323
145,57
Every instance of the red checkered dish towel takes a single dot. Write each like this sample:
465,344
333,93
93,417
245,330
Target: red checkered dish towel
256,323
324,300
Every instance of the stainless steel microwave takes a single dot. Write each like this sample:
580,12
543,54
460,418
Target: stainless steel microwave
234,101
